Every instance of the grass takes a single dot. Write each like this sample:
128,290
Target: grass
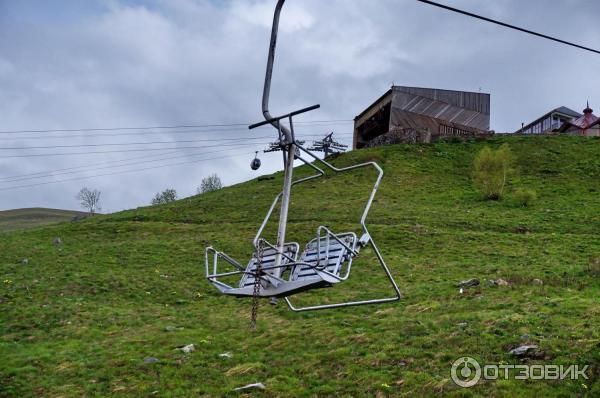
11,220
80,318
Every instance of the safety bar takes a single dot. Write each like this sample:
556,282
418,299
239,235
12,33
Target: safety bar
396,297
363,218
356,166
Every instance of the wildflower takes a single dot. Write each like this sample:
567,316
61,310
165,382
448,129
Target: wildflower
7,281
385,385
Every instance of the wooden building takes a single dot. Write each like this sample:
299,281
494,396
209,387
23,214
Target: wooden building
550,122
414,114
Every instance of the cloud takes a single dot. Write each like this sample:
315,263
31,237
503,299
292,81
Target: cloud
174,62
297,17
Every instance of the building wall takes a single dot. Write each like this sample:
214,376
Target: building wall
593,131
374,120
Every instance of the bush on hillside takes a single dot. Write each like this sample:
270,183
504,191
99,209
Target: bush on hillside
209,184
492,170
525,197
166,196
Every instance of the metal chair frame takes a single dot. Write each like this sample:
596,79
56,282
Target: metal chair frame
365,240
270,276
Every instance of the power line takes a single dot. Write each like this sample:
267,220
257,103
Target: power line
46,172
135,143
140,133
55,173
110,165
245,138
124,150
143,133
121,128
121,172
119,151
155,127
469,14
92,165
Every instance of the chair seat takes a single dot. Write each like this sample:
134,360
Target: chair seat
332,257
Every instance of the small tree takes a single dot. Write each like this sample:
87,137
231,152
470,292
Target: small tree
89,199
210,183
166,196
493,170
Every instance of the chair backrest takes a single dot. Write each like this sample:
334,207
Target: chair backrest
331,258
268,259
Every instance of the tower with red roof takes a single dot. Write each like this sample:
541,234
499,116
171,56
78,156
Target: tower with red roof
588,124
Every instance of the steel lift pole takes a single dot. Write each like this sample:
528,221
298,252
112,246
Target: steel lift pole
289,147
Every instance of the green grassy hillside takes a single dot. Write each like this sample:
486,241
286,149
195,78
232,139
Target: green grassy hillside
82,318
11,220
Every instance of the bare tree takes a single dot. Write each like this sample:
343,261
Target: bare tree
210,183
166,196
89,199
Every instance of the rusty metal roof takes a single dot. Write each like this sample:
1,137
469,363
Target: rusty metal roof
586,121
456,107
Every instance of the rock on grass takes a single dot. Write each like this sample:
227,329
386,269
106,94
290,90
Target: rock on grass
527,351
469,283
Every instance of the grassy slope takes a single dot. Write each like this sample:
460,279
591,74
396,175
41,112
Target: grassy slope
11,220
80,318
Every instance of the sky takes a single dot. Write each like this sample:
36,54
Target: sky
101,64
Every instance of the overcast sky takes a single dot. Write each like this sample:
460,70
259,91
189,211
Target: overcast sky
102,64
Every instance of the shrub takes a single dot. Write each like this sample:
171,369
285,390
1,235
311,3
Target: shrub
167,196
209,184
525,197
492,170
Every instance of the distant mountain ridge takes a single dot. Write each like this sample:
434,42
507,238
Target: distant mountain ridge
32,217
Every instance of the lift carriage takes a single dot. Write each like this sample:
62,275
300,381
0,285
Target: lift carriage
282,269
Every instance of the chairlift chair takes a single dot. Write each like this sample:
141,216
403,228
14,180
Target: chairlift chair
280,270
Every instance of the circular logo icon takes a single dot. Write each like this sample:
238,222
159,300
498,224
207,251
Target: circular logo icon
465,372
